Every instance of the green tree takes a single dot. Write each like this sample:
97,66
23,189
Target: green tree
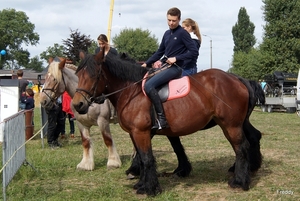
55,51
281,41
76,43
138,43
244,40
243,32
35,64
248,65
93,47
15,31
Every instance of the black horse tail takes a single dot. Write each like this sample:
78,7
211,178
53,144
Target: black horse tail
258,92
251,133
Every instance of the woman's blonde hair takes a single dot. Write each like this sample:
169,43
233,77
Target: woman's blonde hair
194,25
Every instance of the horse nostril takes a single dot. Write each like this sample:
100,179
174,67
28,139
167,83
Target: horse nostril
80,108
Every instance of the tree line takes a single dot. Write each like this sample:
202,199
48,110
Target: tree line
280,47
278,51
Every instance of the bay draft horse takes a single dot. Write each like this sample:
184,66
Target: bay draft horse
61,77
216,97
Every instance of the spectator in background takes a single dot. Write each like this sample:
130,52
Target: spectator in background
103,44
28,99
56,123
68,113
22,87
263,84
22,82
191,26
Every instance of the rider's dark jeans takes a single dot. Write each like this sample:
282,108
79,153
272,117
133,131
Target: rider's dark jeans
162,78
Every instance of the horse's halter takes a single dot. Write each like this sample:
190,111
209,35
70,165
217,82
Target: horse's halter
54,89
92,92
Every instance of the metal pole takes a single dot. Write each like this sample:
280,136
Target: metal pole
111,10
210,53
210,49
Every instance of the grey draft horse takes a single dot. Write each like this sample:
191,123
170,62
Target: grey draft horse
60,78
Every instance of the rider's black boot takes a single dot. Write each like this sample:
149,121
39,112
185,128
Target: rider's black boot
161,121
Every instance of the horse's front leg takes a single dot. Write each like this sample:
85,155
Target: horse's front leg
148,182
184,166
134,169
87,162
113,156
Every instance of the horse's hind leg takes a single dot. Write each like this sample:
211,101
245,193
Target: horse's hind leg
134,169
241,177
113,156
253,136
184,166
254,155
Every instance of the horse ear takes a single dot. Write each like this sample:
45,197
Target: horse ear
62,63
50,60
81,55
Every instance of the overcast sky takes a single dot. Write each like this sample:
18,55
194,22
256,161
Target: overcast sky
54,19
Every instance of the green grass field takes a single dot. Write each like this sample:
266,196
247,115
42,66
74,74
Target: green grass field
55,177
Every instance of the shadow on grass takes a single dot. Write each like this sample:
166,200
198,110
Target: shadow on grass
206,171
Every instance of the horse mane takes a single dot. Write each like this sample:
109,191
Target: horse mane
121,66
71,66
124,68
53,69
89,62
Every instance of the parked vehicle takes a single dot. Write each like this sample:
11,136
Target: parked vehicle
281,92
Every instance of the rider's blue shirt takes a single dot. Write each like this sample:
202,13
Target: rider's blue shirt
175,43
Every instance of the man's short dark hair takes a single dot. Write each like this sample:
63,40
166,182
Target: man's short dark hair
174,12
20,73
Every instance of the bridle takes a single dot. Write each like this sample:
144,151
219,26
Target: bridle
92,93
54,89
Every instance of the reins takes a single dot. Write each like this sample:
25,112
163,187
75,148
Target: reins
101,99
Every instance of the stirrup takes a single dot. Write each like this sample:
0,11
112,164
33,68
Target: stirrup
157,125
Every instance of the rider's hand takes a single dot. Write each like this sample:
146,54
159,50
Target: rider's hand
171,60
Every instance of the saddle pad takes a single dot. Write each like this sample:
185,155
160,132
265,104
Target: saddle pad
176,88
179,87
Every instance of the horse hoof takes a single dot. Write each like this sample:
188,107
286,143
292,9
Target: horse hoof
234,184
141,191
131,176
138,186
113,163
